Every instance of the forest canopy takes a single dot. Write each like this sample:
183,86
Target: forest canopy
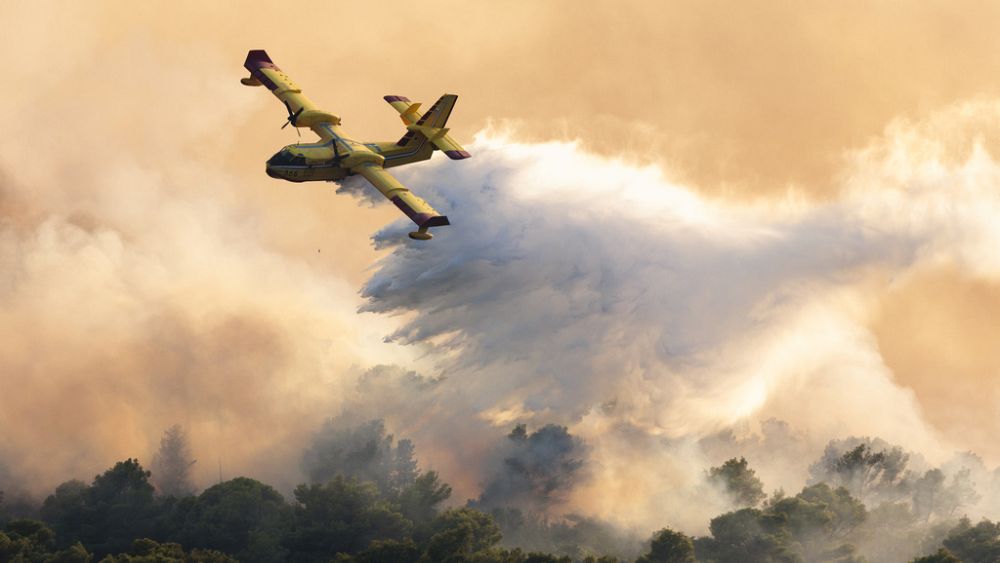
367,500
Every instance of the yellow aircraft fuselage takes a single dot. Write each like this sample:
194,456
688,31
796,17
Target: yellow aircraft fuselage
334,159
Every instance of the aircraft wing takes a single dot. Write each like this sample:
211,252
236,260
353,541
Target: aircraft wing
302,112
418,210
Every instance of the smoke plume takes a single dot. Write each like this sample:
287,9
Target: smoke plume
577,290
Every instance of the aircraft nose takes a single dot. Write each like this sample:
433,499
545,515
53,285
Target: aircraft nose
272,173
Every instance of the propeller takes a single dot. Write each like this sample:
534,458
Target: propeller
292,117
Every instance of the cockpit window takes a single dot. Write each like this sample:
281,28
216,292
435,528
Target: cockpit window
285,158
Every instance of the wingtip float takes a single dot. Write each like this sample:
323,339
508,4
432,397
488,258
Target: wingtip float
337,155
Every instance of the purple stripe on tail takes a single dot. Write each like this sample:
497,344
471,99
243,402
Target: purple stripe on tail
457,155
391,99
256,60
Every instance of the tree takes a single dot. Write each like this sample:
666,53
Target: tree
738,481
25,540
146,550
390,551
746,535
811,526
942,556
66,511
928,491
975,544
870,469
462,533
404,466
242,517
668,546
172,464
106,516
419,500
536,471
364,452
342,515
819,519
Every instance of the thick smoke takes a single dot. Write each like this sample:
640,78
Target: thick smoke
145,281
577,290
535,471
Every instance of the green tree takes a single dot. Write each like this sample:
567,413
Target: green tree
341,516
814,525
738,481
106,516
942,556
419,500
748,535
145,550
389,551
403,471
975,544
364,452
460,534
668,546
26,540
66,511
242,517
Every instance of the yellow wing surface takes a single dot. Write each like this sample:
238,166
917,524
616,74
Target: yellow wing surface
301,111
418,210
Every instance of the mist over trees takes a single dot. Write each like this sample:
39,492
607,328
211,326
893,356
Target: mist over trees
172,464
368,500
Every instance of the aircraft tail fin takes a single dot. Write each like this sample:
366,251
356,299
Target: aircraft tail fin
430,125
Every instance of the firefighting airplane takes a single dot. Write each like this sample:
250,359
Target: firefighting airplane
337,155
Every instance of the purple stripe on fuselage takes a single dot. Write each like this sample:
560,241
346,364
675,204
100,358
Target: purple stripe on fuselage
430,112
405,140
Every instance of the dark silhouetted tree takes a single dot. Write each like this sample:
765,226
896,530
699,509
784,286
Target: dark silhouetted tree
66,511
738,481
364,452
462,534
811,526
747,535
390,551
537,469
419,500
942,556
242,517
106,516
668,546
975,544
342,515
148,551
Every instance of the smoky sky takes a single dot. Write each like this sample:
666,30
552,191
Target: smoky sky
688,218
